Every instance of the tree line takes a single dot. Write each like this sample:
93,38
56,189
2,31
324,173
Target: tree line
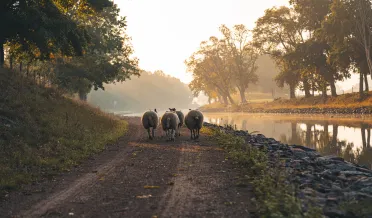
149,91
75,45
314,43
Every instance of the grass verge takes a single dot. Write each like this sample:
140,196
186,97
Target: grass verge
43,133
274,195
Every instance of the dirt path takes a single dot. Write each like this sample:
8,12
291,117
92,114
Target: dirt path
191,179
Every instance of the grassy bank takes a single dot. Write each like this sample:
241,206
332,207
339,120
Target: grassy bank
274,196
346,101
43,133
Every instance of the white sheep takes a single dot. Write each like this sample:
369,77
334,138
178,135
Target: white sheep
170,122
181,117
194,122
150,120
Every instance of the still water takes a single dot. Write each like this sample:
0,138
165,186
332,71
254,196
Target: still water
346,136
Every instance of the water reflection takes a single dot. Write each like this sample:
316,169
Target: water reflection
348,137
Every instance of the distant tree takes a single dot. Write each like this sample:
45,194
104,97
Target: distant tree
243,57
210,65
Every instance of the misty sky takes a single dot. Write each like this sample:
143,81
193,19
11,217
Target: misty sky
166,32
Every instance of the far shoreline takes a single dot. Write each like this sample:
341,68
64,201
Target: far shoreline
325,111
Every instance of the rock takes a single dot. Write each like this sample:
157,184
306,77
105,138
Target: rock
354,173
367,190
326,181
303,148
334,212
353,195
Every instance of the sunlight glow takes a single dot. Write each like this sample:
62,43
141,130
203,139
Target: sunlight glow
166,32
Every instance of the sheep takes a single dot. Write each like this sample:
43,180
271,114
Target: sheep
170,122
150,120
194,122
181,117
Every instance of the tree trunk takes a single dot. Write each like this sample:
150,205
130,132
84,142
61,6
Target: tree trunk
360,85
366,82
2,56
83,96
306,88
225,100
333,87
292,93
230,98
368,57
324,91
27,69
11,62
368,138
220,99
209,100
242,95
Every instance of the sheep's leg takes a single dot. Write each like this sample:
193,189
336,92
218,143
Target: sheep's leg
191,133
148,133
198,133
174,134
153,133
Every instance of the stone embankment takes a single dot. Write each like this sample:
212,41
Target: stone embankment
329,182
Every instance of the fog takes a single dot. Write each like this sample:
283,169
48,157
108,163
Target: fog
151,90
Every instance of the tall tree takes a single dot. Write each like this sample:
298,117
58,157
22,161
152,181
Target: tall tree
44,24
243,57
107,57
210,64
278,33
347,54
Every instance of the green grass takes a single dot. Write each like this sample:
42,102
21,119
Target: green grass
43,133
274,196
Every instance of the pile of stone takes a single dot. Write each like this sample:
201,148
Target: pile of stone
327,181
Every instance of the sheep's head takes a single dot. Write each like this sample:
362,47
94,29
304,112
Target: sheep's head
156,111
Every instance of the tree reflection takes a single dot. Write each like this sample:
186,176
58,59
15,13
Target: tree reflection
365,154
327,136
326,141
